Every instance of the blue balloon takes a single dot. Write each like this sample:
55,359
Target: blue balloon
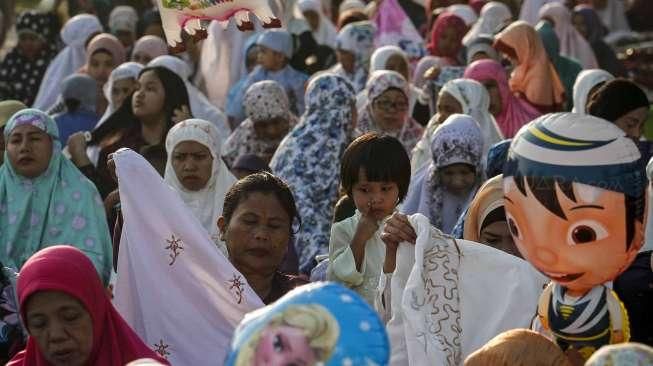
322,323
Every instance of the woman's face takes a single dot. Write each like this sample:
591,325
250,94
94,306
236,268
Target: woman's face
447,105
149,98
398,63
283,345
390,110
193,164
271,129
61,328
30,45
125,37
347,60
448,42
497,235
29,149
142,58
100,66
632,123
579,23
458,179
258,233
492,88
313,19
121,89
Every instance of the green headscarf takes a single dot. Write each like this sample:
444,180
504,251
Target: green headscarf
568,69
60,206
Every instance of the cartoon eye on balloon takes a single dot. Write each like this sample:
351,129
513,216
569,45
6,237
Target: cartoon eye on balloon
317,324
189,14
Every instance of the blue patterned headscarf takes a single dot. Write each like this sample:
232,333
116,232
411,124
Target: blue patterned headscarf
60,206
308,159
357,38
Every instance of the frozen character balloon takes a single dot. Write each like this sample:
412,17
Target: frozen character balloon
574,197
318,324
188,14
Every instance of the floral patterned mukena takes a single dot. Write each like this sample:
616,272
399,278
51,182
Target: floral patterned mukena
308,159
357,38
58,207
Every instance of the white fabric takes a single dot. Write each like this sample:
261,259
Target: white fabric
206,204
585,81
351,4
530,10
128,70
189,304
326,32
493,15
449,297
381,56
648,234
74,34
199,105
464,12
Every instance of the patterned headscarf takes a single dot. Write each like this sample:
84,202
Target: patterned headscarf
308,159
379,83
457,140
59,206
631,354
357,38
264,100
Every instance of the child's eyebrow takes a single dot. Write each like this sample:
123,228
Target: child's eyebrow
587,206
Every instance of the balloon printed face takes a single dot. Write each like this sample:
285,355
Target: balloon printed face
581,244
188,14
309,326
574,196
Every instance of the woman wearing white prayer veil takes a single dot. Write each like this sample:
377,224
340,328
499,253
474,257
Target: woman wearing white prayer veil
530,10
74,34
493,15
324,31
587,82
199,104
177,292
196,170
125,74
448,297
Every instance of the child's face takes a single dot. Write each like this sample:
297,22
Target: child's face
458,179
121,89
283,345
448,42
377,198
270,60
447,105
586,249
497,235
30,45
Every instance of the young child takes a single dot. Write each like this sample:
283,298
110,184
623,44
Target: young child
375,173
275,49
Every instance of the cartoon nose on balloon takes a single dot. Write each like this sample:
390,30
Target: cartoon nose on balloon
545,255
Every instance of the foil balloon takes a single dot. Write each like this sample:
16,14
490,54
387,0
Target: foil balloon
317,324
188,15
575,199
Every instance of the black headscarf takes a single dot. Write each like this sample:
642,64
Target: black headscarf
616,98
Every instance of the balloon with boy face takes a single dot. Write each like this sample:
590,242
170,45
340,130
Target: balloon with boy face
188,14
574,197
317,324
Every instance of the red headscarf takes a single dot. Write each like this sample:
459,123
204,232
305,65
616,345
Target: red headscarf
443,22
67,269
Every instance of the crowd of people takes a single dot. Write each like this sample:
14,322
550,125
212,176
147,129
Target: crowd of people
150,198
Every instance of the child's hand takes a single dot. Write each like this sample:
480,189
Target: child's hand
397,229
367,225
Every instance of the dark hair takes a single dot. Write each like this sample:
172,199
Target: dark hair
544,192
265,183
72,105
123,118
383,158
616,98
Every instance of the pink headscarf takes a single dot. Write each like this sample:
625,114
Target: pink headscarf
515,112
572,43
447,21
106,41
68,270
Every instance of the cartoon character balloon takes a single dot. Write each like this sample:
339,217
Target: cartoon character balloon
575,200
188,14
318,324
